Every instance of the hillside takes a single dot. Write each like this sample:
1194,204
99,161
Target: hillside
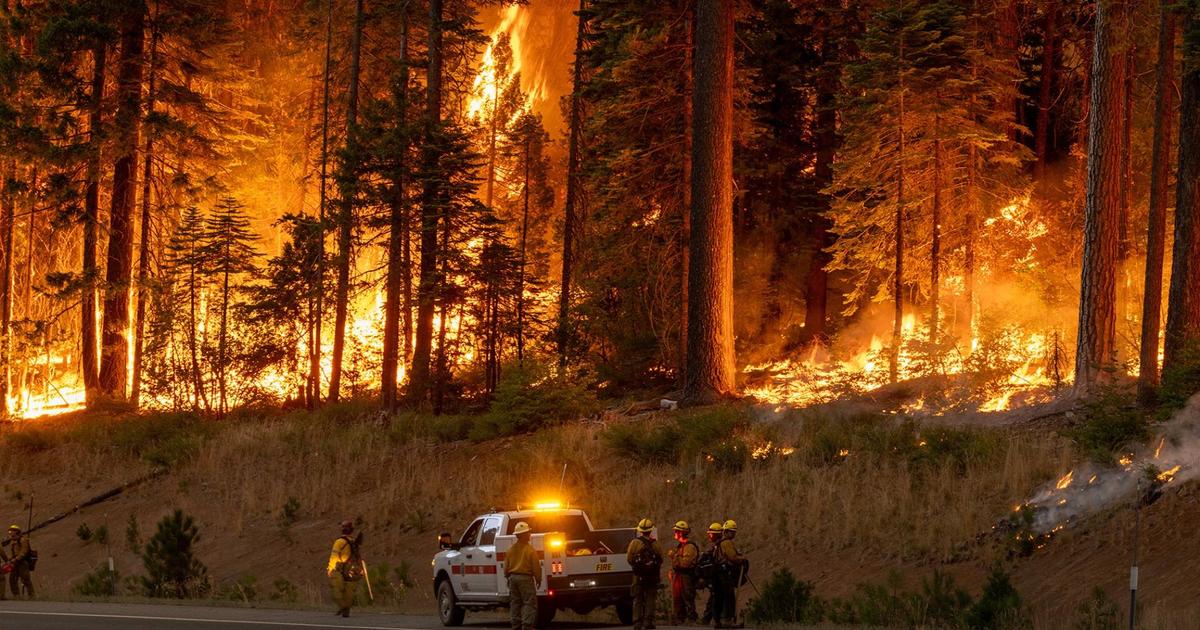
840,500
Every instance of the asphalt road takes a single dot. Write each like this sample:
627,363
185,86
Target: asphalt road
79,616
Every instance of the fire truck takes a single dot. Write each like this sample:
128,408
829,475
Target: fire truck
583,568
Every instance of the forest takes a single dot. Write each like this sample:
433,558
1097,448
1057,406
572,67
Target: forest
210,205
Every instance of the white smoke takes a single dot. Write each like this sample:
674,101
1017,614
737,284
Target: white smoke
1172,457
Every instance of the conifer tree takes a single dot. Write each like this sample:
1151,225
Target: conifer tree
229,255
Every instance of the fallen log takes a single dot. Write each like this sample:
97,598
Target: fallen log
101,498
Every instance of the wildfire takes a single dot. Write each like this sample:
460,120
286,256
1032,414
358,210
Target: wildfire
1167,475
492,80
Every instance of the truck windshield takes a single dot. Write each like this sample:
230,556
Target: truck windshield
573,525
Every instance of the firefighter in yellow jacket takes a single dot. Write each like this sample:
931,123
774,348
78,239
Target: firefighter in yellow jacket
683,574
645,555
20,557
344,569
732,570
523,570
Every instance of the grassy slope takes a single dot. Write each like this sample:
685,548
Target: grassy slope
890,504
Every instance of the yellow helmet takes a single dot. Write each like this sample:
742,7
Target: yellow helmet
682,526
521,528
730,526
715,528
645,525
14,528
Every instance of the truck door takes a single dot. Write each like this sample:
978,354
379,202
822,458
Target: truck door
461,565
492,570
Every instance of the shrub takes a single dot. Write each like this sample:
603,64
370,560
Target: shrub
32,439
172,568
1181,381
531,397
785,599
999,605
288,516
133,536
99,583
83,532
285,591
390,584
244,589
708,432
1098,612
1112,423
101,535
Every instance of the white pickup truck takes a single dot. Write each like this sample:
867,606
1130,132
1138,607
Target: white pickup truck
583,568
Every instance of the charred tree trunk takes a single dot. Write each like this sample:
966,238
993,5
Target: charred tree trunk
1046,89
898,271
91,218
143,281
314,351
114,353
349,193
710,363
397,237
1160,189
1096,347
7,174
1183,300
427,290
569,210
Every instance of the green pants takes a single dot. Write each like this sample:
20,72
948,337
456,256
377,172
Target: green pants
522,601
645,603
21,577
343,591
683,594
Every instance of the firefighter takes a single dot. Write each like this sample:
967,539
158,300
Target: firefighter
683,574
645,555
20,556
733,570
711,575
345,568
523,570
5,567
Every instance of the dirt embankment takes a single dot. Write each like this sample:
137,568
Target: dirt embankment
849,503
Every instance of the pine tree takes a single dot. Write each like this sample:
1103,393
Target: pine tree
228,253
186,271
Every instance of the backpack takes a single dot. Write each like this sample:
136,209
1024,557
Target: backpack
706,565
352,569
647,563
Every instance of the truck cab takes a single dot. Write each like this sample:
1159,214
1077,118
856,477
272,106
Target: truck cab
583,568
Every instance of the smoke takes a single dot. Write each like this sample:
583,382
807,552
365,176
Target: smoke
1171,458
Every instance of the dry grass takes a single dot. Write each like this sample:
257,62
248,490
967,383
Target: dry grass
889,502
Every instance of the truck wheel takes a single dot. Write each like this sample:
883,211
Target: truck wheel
448,609
545,612
625,612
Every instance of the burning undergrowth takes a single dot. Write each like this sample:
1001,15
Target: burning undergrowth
1137,478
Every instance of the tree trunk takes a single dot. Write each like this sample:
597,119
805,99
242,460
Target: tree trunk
1096,346
349,193
6,284
898,271
1010,33
427,290
935,246
569,219
397,235
710,369
1183,299
222,345
521,264
1123,246
314,351
685,231
143,281
1160,189
193,350
816,295
114,353
1046,89
91,218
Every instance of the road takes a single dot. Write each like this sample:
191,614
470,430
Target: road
79,616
